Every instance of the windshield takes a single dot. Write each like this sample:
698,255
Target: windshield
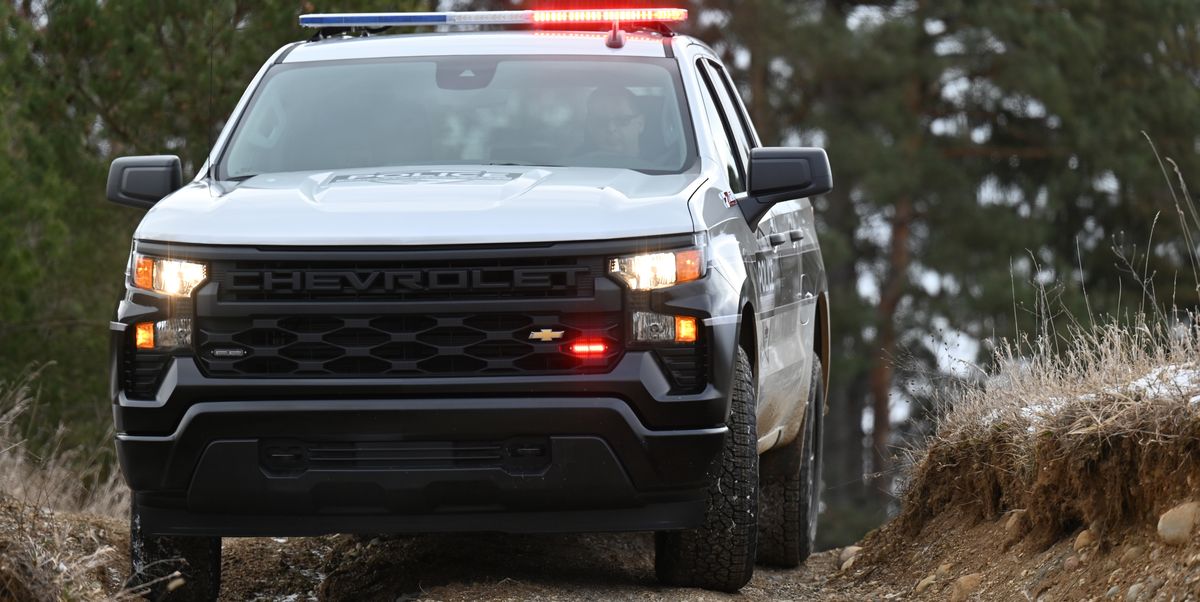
479,110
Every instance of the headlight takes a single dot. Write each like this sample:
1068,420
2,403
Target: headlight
170,276
658,270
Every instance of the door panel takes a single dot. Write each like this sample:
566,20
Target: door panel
784,380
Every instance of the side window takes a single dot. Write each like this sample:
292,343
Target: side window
732,111
738,107
723,134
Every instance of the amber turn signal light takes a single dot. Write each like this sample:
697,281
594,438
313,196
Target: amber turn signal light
144,335
143,273
687,265
685,329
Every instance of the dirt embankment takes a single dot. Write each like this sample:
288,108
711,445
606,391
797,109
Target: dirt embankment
1074,476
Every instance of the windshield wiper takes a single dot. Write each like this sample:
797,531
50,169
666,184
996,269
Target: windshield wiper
524,165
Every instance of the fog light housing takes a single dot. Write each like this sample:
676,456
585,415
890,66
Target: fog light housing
175,333
650,327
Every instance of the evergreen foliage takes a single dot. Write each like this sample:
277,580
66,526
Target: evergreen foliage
83,82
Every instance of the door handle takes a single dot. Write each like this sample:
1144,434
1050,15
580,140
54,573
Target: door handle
783,238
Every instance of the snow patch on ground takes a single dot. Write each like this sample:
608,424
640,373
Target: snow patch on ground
1170,382
1167,382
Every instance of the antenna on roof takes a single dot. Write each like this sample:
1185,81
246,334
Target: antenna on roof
616,36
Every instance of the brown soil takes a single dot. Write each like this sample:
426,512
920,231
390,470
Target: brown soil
94,557
1015,566
488,567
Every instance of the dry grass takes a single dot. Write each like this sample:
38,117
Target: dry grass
42,555
1098,431
74,480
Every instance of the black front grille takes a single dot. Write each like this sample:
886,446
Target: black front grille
403,345
405,280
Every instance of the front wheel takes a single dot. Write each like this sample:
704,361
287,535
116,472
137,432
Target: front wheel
174,568
720,554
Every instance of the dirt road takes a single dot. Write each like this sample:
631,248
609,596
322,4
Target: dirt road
485,567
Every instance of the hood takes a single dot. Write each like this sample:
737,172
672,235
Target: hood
425,206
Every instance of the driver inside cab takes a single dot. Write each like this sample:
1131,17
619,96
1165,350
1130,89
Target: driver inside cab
614,125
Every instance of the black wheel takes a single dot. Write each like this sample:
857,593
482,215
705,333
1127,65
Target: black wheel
719,555
790,496
175,568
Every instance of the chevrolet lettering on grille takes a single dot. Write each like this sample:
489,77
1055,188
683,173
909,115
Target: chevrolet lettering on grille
384,281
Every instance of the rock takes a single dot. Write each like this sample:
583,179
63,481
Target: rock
1084,539
1131,553
963,586
1153,584
849,563
924,584
1175,525
1113,592
1071,563
847,553
1013,527
944,570
1135,590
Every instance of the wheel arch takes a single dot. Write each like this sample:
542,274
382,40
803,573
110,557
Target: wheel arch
822,341
748,333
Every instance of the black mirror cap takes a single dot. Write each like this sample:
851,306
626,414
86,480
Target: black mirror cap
143,181
783,173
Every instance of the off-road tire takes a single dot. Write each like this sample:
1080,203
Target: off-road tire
790,494
158,563
719,555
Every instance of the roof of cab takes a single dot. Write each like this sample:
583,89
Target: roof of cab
476,43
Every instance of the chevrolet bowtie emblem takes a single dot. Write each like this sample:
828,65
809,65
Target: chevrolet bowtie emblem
545,335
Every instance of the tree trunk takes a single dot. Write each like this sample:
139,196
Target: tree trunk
899,259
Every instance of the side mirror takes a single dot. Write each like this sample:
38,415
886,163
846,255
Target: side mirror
782,174
143,181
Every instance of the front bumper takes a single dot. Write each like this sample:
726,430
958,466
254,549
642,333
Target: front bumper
587,461
617,450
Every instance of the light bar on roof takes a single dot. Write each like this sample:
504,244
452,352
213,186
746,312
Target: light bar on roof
608,15
497,17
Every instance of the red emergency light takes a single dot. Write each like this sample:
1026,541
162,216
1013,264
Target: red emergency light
610,15
588,348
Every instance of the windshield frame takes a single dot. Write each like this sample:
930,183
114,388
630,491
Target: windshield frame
691,158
